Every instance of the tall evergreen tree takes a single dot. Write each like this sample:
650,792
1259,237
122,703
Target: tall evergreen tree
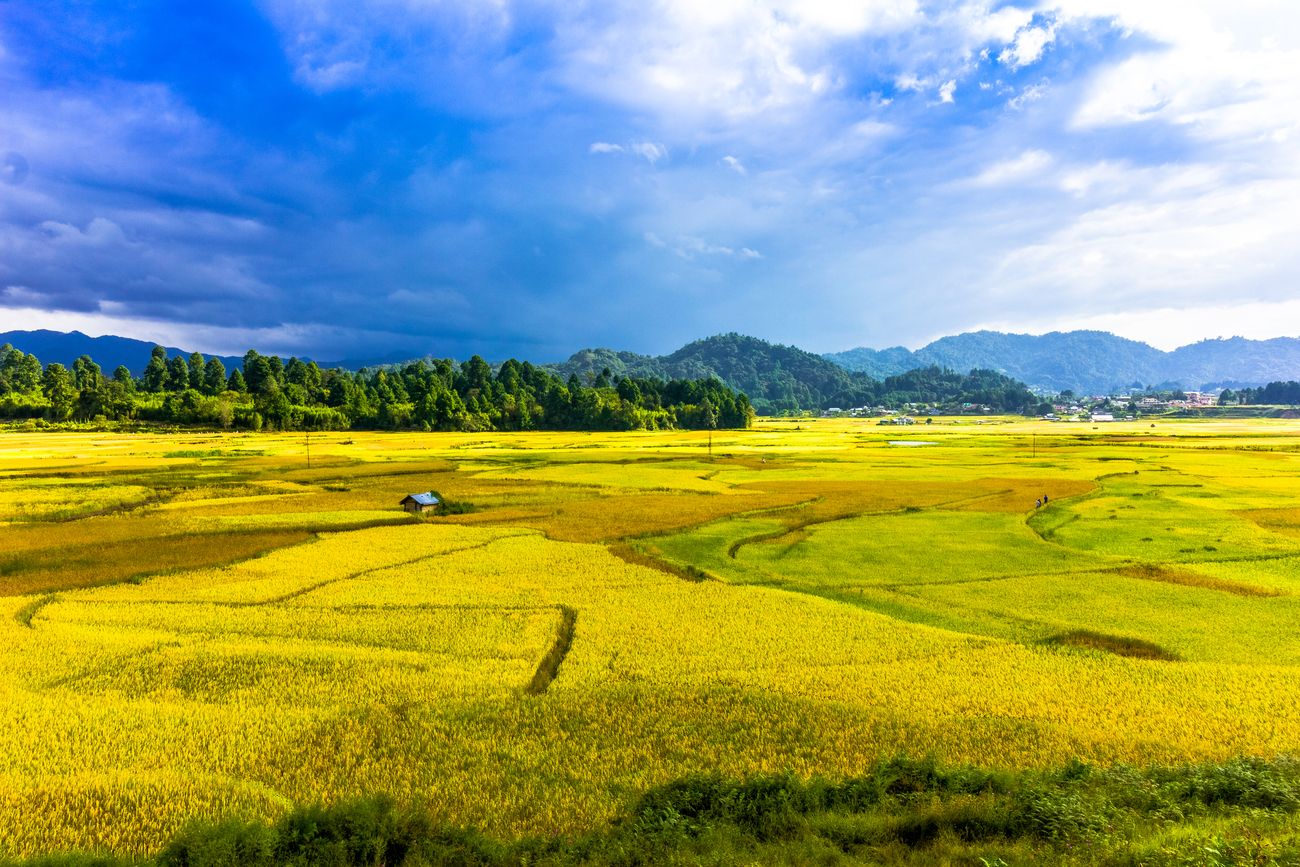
178,374
196,364
156,378
214,376
60,390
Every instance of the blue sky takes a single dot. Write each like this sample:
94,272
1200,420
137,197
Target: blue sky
360,178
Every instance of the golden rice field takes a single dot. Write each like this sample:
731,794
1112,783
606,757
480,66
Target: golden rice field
203,625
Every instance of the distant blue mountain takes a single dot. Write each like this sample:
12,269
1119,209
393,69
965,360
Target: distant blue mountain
1091,361
108,352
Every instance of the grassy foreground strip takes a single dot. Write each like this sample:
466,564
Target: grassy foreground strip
1244,811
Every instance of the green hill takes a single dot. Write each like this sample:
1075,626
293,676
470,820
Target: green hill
775,377
784,378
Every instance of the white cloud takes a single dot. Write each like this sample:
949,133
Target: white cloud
946,90
1120,180
1028,46
100,232
909,81
1220,70
13,169
326,76
652,151
1030,165
1169,244
735,165
332,43
984,24
1171,237
847,146
727,59
1104,175
690,247
1032,93
23,296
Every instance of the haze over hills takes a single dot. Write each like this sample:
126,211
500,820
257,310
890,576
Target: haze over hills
1091,361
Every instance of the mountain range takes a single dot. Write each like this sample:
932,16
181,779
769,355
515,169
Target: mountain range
1092,362
108,352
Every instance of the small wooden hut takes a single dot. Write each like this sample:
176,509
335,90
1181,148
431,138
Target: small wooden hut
420,503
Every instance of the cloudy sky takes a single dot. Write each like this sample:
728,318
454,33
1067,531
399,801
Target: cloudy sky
346,178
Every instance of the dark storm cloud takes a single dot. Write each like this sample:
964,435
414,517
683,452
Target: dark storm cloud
529,178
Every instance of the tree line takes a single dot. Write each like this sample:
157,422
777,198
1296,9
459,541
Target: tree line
268,392
1273,394
945,388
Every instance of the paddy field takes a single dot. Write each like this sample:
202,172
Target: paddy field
231,625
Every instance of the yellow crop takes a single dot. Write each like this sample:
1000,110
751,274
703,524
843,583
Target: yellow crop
865,600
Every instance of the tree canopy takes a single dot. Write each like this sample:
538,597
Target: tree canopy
427,395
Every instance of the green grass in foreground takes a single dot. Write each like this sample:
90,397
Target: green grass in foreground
1245,811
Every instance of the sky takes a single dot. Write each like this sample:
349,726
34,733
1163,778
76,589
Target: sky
371,178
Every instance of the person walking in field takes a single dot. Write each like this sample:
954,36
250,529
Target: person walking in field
1038,504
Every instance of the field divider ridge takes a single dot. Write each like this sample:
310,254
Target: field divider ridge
549,668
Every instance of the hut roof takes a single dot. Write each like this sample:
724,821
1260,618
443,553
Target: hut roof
425,499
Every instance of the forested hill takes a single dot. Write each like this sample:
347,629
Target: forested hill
779,378
1093,362
775,377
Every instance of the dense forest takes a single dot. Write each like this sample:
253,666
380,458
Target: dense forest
787,379
267,392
